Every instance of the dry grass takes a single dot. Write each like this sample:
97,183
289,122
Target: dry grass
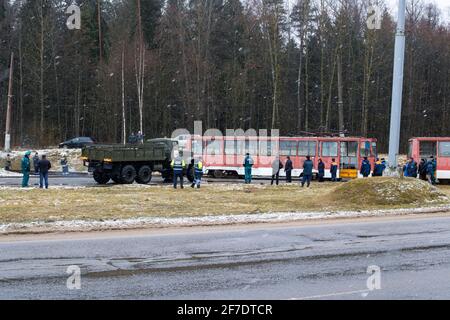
387,192
122,202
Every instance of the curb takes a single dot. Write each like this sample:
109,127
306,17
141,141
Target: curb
223,220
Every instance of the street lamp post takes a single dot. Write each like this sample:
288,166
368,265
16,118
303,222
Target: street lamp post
397,87
9,107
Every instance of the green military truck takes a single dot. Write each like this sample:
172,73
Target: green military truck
125,164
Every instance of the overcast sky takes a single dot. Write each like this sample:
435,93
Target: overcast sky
444,6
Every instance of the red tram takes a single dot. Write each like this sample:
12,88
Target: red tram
225,155
439,148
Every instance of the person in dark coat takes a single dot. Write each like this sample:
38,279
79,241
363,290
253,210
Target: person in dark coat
431,170
288,167
378,169
321,169
36,163
412,168
384,163
8,163
140,137
308,166
26,168
423,170
44,168
132,139
190,172
248,165
277,165
333,170
365,167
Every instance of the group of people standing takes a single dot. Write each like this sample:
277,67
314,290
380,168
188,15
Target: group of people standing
277,166
378,168
426,170
41,167
137,138
195,170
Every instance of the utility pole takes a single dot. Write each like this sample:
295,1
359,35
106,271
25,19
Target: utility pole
397,87
340,96
9,107
100,37
124,124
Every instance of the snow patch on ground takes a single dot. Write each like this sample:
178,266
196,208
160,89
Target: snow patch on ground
53,154
154,222
4,173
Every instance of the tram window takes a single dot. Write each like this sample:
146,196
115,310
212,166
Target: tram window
307,148
196,147
427,149
410,149
265,148
213,147
365,149
288,148
240,147
329,149
230,147
444,149
251,146
349,149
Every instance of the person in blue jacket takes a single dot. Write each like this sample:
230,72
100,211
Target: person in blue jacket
406,169
431,170
378,169
308,166
26,168
412,169
365,167
334,170
248,165
321,169
384,163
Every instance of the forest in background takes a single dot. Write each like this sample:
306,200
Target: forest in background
160,65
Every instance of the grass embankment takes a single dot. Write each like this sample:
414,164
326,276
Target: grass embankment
122,202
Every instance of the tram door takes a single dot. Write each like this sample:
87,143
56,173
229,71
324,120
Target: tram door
329,151
348,163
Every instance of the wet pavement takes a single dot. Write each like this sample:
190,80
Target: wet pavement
324,261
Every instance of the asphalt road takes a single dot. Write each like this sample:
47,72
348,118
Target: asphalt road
54,180
325,261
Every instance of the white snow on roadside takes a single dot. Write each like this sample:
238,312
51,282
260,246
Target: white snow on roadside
4,173
53,154
138,223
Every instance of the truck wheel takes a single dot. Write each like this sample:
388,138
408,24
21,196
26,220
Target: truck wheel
128,174
101,177
116,179
144,175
